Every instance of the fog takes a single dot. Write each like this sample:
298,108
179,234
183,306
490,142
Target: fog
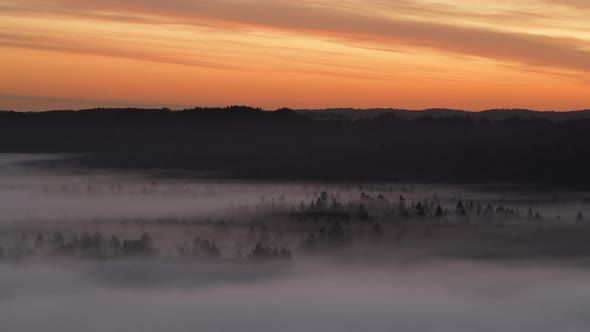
506,271
441,296
28,192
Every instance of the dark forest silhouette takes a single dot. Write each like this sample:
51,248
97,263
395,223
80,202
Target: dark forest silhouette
245,142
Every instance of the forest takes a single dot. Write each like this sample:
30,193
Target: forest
249,143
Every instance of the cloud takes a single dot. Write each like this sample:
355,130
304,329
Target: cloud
578,4
100,48
328,21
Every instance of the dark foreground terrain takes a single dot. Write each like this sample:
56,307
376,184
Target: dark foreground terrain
334,145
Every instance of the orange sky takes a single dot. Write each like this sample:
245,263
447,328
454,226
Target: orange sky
301,54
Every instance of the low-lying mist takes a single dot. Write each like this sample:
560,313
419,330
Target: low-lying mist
433,296
96,250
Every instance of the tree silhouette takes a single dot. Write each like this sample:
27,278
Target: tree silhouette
362,213
439,212
58,240
460,209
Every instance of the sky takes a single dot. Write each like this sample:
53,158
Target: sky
411,54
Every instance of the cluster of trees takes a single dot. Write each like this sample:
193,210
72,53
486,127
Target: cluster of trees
89,186
333,237
84,245
265,253
251,143
369,208
324,206
200,248
369,216
326,222
97,246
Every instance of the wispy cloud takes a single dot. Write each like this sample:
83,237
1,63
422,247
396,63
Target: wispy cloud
313,45
327,21
579,4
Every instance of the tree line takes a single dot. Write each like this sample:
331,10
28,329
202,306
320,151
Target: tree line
243,142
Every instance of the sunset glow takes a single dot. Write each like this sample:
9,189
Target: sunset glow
301,54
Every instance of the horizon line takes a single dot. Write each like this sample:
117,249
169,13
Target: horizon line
162,107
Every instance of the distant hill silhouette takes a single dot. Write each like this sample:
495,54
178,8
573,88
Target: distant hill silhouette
492,114
339,145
